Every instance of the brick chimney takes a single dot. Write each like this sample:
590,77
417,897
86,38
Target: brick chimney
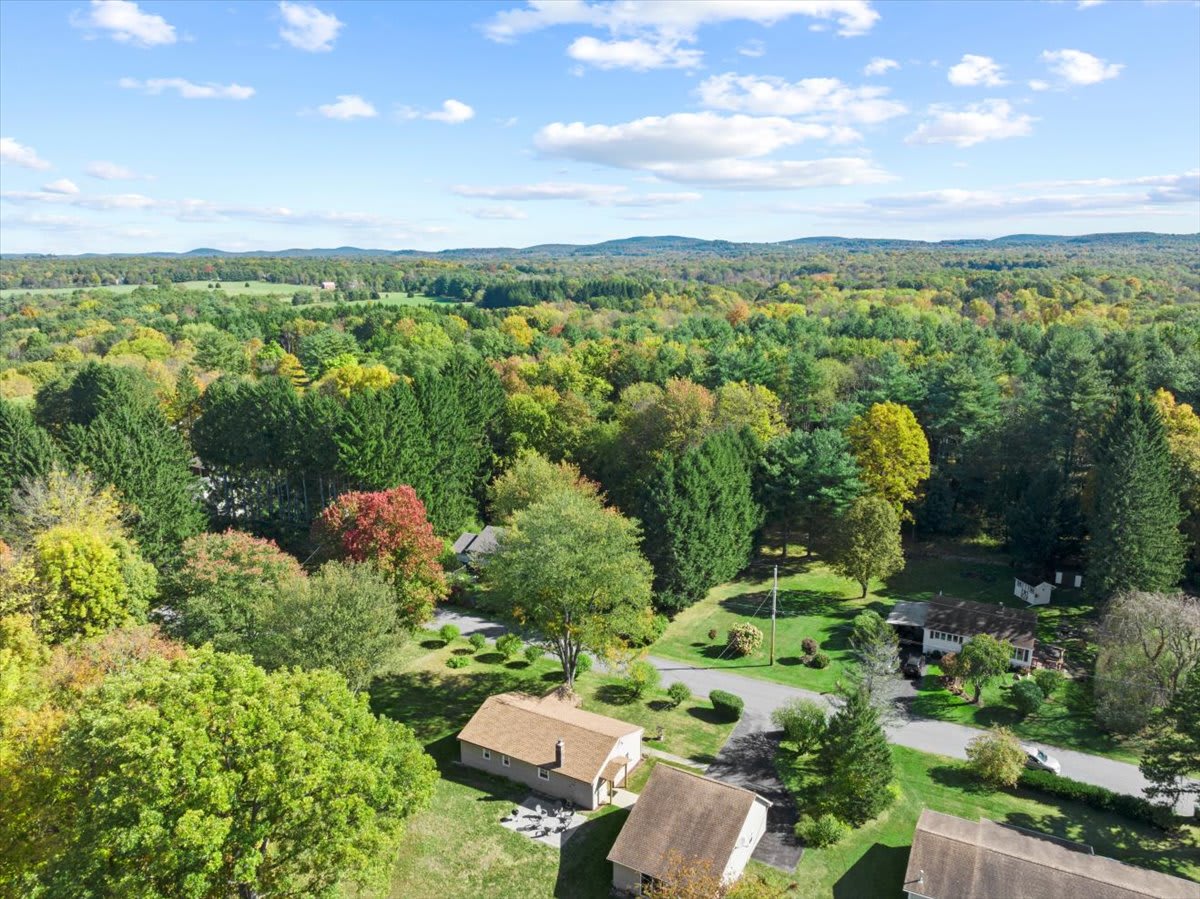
558,754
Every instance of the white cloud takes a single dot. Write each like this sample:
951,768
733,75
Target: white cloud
18,154
754,48
124,21
758,174
189,90
592,194
880,65
110,171
61,186
972,124
498,213
637,54
1077,67
1088,4
1038,85
1160,195
677,19
683,136
453,112
348,106
976,70
821,98
307,28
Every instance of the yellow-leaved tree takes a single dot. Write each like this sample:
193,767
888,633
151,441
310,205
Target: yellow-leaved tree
892,453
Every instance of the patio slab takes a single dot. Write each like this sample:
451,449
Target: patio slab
545,828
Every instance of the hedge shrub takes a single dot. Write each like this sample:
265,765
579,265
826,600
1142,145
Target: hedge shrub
583,664
809,645
822,831
448,632
458,661
820,660
1100,798
679,693
729,705
477,641
508,645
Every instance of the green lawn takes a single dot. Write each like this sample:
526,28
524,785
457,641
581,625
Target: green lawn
814,602
456,849
871,860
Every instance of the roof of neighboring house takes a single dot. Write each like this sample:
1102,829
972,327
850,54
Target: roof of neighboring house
966,618
684,816
527,728
478,544
952,858
908,614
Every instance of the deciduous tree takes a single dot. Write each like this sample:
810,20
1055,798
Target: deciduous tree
982,660
865,542
996,757
892,453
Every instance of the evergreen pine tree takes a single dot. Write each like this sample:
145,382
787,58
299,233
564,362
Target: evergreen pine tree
700,518
1136,543
133,448
382,441
26,451
855,762
1172,759
453,445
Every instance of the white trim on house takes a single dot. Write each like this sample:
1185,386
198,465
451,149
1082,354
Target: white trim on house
944,641
487,753
543,774
505,761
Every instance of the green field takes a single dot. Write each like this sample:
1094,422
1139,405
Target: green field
870,861
814,602
231,288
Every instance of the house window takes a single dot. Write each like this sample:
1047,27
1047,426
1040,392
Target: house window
505,761
487,753
543,774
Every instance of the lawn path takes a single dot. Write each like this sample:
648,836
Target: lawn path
940,737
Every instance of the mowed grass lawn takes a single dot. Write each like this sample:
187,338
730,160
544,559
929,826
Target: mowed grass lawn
871,861
456,849
814,602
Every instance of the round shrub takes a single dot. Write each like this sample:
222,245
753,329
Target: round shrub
744,639
533,652
449,633
712,633
477,641
458,661
809,645
1027,696
820,660
802,721
1048,681
729,705
642,676
679,693
508,645
822,831
583,664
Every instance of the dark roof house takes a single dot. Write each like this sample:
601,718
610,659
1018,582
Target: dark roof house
471,548
953,858
961,616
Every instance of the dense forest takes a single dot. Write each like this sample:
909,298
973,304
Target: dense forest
257,473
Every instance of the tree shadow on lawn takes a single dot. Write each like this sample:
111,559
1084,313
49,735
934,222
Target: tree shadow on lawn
792,604
615,694
879,872
1113,836
959,777
432,644
583,869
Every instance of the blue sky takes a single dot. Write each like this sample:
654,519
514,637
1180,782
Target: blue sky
262,125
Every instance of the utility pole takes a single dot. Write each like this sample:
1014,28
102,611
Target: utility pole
774,600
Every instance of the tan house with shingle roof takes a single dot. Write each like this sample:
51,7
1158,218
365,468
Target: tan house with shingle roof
552,746
953,858
682,817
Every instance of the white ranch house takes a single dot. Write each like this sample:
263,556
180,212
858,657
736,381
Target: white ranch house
945,625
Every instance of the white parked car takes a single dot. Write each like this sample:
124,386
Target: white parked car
1035,758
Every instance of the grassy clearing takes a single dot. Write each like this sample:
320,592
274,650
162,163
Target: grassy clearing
871,860
814,602
457,849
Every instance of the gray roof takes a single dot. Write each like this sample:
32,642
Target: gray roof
908,614
480,544
681,816
953,858
966,618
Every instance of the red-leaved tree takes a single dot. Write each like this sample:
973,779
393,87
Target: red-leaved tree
390,530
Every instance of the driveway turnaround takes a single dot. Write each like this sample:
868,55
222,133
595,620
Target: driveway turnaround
940,737
748,760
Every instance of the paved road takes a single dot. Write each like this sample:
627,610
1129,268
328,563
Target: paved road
940,737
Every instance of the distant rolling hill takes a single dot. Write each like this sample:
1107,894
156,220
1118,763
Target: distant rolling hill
695,246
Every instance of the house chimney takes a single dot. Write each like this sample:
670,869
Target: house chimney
558,754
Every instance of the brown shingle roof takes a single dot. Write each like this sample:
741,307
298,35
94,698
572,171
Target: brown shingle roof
958,859
966,618
685,815
528,727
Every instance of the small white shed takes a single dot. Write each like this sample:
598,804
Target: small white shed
1034,595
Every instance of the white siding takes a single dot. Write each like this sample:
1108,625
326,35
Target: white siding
626,880
940,641
753,829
